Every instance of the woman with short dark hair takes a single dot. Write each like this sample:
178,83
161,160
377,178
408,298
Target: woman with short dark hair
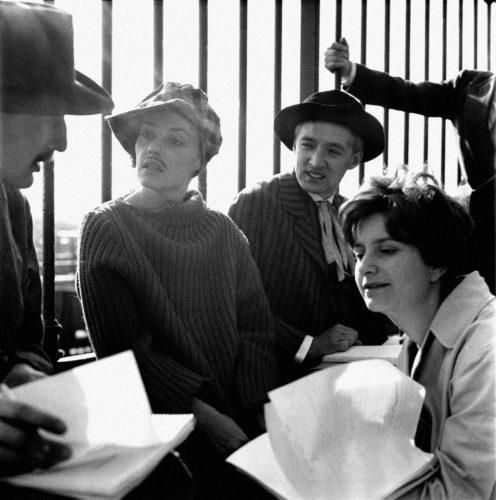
410,243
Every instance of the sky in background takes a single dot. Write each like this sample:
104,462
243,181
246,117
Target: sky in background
78,177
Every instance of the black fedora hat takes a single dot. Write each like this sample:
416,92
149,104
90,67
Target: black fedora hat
334,106
37,74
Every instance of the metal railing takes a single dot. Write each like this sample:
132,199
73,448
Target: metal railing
315,30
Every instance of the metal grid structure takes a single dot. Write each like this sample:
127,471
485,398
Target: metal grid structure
312,26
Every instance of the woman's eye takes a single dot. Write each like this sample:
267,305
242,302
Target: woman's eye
146,134
388,251
175,141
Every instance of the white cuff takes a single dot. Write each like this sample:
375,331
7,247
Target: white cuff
346,82
303,350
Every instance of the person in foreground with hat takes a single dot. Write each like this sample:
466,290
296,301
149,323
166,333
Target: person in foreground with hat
38,85
290,222
165,276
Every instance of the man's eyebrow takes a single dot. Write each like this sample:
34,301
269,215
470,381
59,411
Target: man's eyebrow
306,138
155,125
328,144
376,241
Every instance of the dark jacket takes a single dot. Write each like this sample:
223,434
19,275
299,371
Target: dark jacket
281,223
465,100
21,329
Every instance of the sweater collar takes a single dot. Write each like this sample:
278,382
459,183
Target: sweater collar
175,213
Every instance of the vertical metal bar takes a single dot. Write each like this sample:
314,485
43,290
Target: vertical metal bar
460,63
460,34
51,326
339,23
443,122
426,76
243,75
476,24
309,47
158,42
106,193
489,34
276,147
387,42
203,75
363,60
408,36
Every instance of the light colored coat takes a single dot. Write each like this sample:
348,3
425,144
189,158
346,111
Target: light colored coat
457,366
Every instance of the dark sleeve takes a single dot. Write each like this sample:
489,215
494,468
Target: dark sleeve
246,211
256,361
20,295
425,98
28,341
113,319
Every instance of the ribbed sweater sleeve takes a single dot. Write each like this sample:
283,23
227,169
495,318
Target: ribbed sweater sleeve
256,328
182,291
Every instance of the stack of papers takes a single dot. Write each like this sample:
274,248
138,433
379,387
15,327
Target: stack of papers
341,433
115,439
388,352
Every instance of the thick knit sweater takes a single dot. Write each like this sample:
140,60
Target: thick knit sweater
179,288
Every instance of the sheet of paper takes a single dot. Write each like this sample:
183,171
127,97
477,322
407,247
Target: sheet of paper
388,352
116,441
341,433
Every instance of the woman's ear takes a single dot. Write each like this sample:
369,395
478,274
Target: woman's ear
437,273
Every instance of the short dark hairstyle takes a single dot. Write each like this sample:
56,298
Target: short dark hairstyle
418,214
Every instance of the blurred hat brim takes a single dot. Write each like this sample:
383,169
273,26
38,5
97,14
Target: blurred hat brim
84,97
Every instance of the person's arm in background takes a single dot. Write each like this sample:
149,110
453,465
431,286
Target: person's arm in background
379,88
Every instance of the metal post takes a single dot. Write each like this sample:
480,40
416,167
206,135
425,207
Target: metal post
203,75
363,60
106,193
276,147
408,37
243,77
158,42
309,51
339,23
387,42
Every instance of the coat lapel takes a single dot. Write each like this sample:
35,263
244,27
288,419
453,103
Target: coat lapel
301,209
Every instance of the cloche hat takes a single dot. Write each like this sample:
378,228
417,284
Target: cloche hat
190,102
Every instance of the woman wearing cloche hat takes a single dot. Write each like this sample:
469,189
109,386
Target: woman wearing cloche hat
162,274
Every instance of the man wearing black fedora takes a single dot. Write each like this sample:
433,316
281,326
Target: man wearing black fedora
291,224
38,86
